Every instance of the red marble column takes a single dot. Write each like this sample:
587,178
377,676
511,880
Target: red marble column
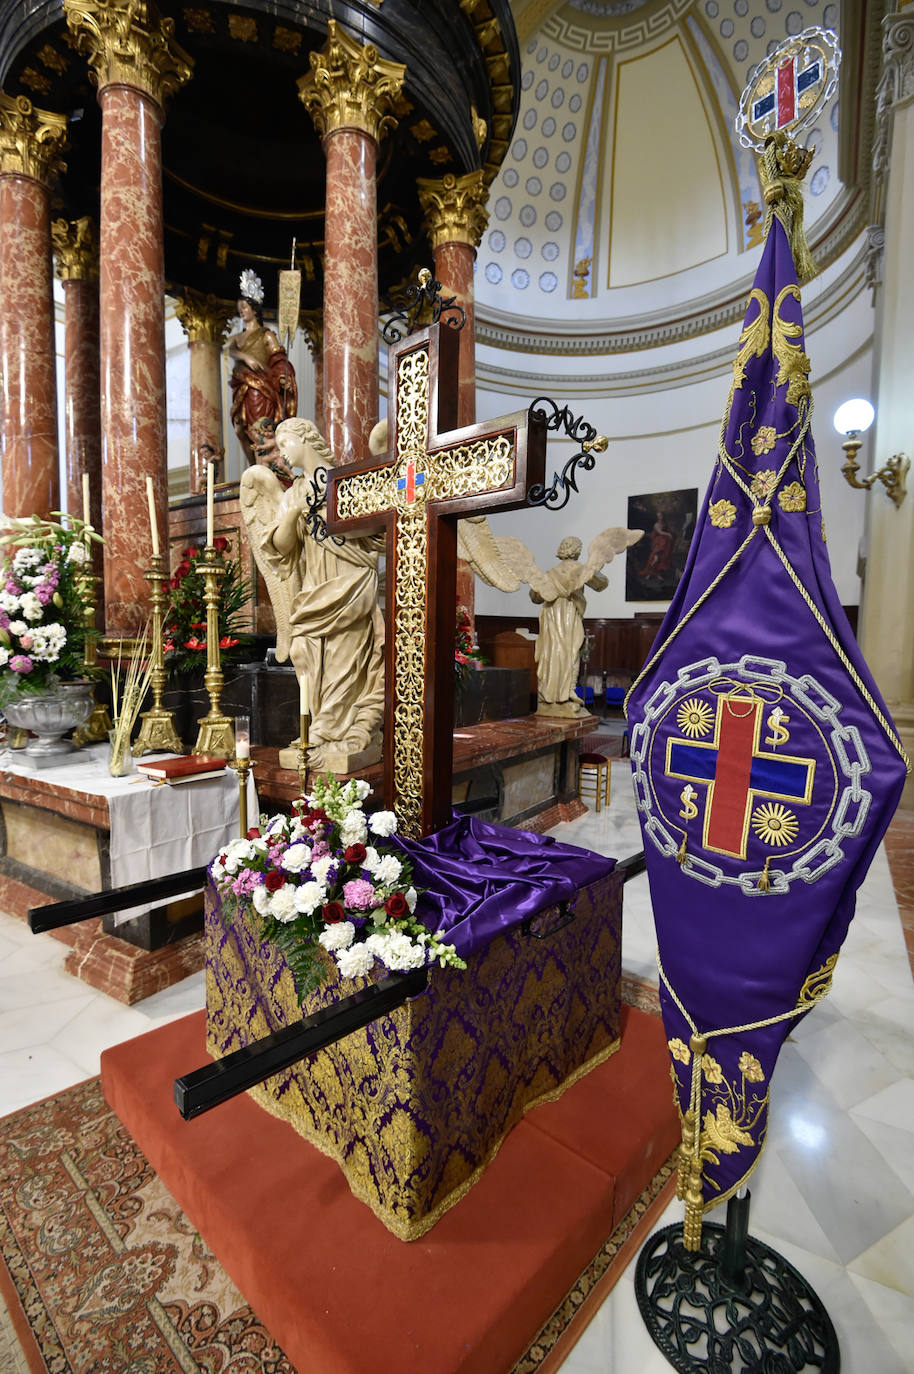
30,144
348,94
136,66
455,219
76,263
204,320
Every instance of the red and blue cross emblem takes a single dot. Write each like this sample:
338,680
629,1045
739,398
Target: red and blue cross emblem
790,84
735,771
410,482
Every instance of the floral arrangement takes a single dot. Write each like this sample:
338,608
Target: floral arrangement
184,639
464,654
323,882
42,604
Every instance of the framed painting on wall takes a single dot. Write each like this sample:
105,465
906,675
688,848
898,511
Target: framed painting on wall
655,564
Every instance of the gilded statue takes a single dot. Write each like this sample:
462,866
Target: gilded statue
505,562
264,390
324,592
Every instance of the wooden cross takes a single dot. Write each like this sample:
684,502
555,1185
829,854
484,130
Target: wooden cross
431,475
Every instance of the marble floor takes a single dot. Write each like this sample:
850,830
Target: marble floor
834,1192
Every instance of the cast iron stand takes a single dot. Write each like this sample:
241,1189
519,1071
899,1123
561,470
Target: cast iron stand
734,1305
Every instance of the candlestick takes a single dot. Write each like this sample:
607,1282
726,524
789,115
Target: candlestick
153,522
304,703
86,520
209,505
303,723
216,735
157,731
242,767
242,737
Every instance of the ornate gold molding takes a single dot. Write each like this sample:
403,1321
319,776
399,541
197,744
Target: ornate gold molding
311,323
350,87
75,249
455,208
32,141
203,318
128,43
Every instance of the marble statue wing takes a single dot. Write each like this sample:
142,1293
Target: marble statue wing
262,500
523,565
604,547
478,546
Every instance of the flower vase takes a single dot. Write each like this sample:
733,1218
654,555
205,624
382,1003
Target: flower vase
121,760
50,716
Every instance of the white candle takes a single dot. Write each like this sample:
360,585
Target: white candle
242,737
304,704
86,519
153,525
242,749
209,504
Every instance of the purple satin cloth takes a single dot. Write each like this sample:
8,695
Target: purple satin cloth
482,879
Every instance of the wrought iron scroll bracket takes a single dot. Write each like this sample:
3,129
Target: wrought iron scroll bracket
556,496
399,320
315,523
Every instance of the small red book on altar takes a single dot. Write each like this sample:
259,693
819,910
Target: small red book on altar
183,768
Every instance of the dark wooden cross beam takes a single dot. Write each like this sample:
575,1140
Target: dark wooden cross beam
431,476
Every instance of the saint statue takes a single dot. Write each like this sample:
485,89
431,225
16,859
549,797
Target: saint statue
264,390
505,562
324,592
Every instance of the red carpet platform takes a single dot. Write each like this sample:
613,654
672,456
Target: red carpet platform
336,1290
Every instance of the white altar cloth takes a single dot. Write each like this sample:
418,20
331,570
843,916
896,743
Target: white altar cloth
155,829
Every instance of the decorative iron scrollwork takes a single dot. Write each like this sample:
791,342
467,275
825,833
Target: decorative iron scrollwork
315,523
399,321
557,496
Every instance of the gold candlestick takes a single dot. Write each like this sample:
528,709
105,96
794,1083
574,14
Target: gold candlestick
99,723
242,767
215,735
303,722
157,731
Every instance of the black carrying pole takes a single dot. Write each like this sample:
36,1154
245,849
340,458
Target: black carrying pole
732,1305
151,890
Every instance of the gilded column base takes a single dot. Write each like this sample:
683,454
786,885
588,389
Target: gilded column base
157,734
96,727
216,737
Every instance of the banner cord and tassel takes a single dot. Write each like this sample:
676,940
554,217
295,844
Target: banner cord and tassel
782,167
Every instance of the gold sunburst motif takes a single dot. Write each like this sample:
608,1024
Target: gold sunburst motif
694,717
774,824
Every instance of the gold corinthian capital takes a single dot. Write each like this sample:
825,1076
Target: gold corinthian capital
203,318
75,249
454,208
31,140
128,43
350,86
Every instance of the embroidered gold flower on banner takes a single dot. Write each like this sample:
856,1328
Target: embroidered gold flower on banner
763,483
763,440
694,717
793,497
750,1068
679,1050
774,824
711,1070
722,514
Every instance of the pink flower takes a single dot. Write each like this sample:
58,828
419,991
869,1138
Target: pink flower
26,641
44,595
21,663
245,883
321,849
359,895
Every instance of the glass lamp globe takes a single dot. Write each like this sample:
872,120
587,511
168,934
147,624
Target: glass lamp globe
854,417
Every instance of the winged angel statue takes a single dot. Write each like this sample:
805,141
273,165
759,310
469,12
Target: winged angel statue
505,562
325,598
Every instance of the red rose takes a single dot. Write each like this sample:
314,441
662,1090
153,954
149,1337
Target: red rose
333,912
220,544
253,833
273,880
396,906
191,551
312,819
355,853
182,570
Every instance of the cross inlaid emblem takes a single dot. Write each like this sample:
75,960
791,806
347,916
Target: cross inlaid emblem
735,771
790,85
432,474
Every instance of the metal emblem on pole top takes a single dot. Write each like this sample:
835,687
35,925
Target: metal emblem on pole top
790,89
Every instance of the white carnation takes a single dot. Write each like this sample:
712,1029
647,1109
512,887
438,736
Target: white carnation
355,961
412,897
339,936
282,905
261,900
357,789
77,553
17,627
398,952
309,897
32,608
321,867
388,870
382,823
296,857
371,860
353,829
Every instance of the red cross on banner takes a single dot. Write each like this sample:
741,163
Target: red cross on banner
787,93
735,771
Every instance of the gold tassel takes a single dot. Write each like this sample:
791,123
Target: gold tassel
694,1207
764,882
681,855
684,1163
782,168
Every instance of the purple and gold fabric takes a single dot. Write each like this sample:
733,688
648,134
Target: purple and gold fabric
766,767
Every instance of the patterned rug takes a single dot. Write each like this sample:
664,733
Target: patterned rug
102,1272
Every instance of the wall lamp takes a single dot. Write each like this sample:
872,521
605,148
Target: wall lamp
852,419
